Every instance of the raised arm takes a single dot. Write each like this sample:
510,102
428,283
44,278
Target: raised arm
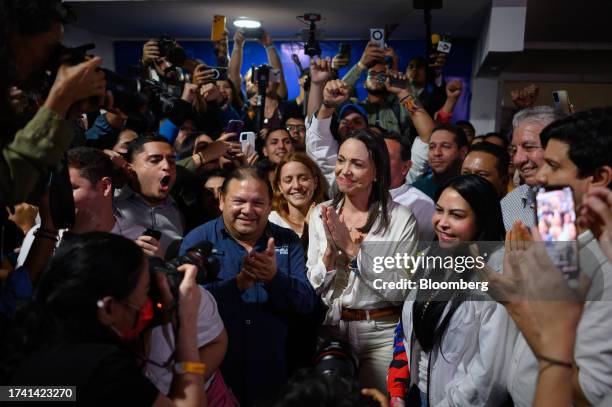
236,59
275,62
320,73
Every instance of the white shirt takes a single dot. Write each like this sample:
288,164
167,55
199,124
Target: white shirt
209,327
421,205
275,218
593,349
122,227
323,148
358,290
471,366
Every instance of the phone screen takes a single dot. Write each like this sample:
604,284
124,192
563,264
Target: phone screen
561,101
556,220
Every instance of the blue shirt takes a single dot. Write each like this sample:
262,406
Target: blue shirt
257,319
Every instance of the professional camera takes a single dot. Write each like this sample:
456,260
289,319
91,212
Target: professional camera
336,358
202,255
168,48
139,97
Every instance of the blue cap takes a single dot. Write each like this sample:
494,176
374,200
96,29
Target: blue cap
351,107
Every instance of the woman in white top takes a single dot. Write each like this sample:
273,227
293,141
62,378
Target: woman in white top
348,237
458,341
298,187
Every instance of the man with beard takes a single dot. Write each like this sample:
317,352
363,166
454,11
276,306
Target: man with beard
527,156
161,69
261,284
447,149
146,200
382,107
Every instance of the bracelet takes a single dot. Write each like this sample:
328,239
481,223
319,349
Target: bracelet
198,368
362,66
270,47
404,98
555,362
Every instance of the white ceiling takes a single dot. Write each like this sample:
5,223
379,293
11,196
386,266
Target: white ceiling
349,19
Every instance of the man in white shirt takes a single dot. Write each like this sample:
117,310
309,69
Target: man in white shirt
578,153
402,192
526,153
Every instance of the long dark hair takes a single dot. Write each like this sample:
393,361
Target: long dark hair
378,201
84,269
428,324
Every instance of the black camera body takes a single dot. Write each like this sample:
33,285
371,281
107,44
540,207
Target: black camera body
336,357
168,48
202,255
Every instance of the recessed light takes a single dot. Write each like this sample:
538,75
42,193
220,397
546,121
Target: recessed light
246,23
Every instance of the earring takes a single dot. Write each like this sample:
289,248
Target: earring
100,304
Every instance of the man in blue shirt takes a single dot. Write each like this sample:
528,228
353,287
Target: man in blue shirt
262,281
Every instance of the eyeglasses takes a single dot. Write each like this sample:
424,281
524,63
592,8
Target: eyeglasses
296,127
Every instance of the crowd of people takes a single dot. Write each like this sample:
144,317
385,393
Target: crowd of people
204,240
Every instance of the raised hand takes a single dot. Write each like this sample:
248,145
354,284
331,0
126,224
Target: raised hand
453,89
339,61
150,52
320,71
526,96
335,93
372,55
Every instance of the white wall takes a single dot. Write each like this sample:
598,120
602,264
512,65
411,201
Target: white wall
484,104
74,36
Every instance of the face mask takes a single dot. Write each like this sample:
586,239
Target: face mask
144,318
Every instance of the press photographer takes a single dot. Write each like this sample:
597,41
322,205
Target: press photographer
80,328
31,31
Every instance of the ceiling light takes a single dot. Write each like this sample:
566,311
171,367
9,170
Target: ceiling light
246,23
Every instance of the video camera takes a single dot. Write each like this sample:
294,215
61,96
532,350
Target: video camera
130,95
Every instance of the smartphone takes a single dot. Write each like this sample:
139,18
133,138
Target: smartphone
220,73
252,33
444,45
399,83
562,101
218,28
155,234
377,35
556,221
247,142
234,126
345,50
